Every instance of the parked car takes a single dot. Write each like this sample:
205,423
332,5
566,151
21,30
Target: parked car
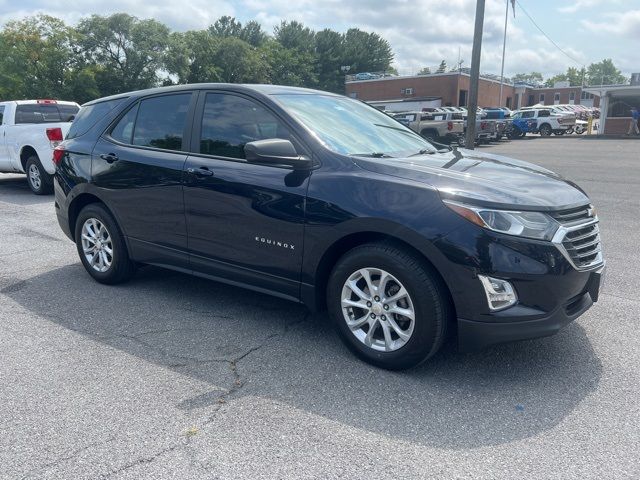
366,76
324,200
29,131
435,126
547,121
520,125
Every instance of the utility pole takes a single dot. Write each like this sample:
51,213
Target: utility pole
475,75
504,45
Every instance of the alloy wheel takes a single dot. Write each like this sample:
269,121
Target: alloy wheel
378,309
97,245
34,176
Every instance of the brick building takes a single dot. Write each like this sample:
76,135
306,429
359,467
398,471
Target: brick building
453,90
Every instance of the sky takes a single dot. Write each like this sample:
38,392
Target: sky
421,32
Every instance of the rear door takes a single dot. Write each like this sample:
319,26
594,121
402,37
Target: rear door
245,221
137,165
5,161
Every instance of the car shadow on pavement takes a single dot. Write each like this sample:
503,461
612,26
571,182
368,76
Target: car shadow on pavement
14,189
278,351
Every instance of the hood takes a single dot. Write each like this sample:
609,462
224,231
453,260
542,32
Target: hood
484,179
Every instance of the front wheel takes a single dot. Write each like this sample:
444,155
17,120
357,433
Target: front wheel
40,182
101,246
388,306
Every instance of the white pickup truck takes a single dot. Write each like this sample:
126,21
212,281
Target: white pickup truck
29,131
548,121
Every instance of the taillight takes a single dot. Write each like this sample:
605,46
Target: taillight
449,125
54,134
58,153
46,101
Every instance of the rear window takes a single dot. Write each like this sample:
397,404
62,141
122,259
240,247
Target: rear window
44,113
90,115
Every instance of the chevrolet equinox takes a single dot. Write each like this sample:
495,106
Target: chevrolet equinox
324,200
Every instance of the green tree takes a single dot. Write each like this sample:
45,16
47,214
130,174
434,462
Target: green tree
253,34
366,52
239,62
190,57
424,71
604,73
129,51
288,66
226,27
533,78
442,68
573,75
35,56
295,35
329,49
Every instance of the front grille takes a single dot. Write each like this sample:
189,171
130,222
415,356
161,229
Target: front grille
579,236
574,216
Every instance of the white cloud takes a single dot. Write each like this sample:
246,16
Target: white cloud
622,24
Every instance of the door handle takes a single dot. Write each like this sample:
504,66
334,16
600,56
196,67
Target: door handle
201,172
109,157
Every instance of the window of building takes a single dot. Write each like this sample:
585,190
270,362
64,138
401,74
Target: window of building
556,97
407,91
462,98
541,98
353,94
531,101
621,106
572,95
586,96
161,121
229,122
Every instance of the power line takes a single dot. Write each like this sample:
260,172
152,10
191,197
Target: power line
547,36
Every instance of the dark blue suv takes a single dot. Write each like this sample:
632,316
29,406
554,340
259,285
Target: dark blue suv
324,200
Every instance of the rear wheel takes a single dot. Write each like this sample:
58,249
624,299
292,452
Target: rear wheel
388,306
545,130
40,182
101,246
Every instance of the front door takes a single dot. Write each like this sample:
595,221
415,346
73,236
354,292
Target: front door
138,166
245,221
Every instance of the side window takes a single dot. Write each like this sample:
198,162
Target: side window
528,114
1,114
161,121
123,131
89,116
230,121
544,113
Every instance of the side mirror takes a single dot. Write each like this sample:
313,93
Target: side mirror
276,151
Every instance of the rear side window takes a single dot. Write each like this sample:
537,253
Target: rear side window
161,120
90,115
123,131
229,122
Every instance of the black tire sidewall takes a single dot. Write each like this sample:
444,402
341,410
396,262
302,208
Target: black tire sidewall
430,315
121,266
46,184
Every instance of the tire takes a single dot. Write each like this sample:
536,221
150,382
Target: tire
515,133
570,130
559,132
120,268
430,135
545,130
40,182
426,297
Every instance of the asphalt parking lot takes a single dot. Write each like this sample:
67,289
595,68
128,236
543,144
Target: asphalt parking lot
171,376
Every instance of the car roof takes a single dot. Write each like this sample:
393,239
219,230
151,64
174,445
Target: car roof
265,89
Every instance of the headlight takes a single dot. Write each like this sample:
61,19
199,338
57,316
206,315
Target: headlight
523,224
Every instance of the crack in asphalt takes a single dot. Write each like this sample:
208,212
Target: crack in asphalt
70,456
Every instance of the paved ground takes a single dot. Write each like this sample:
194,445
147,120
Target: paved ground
171,376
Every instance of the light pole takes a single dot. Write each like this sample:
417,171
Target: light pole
475,75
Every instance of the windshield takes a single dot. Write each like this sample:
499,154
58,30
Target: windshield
351,127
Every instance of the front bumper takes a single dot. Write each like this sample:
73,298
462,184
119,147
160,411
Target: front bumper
523,323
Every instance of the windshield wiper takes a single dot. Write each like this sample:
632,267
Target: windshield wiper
424,151
372,154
